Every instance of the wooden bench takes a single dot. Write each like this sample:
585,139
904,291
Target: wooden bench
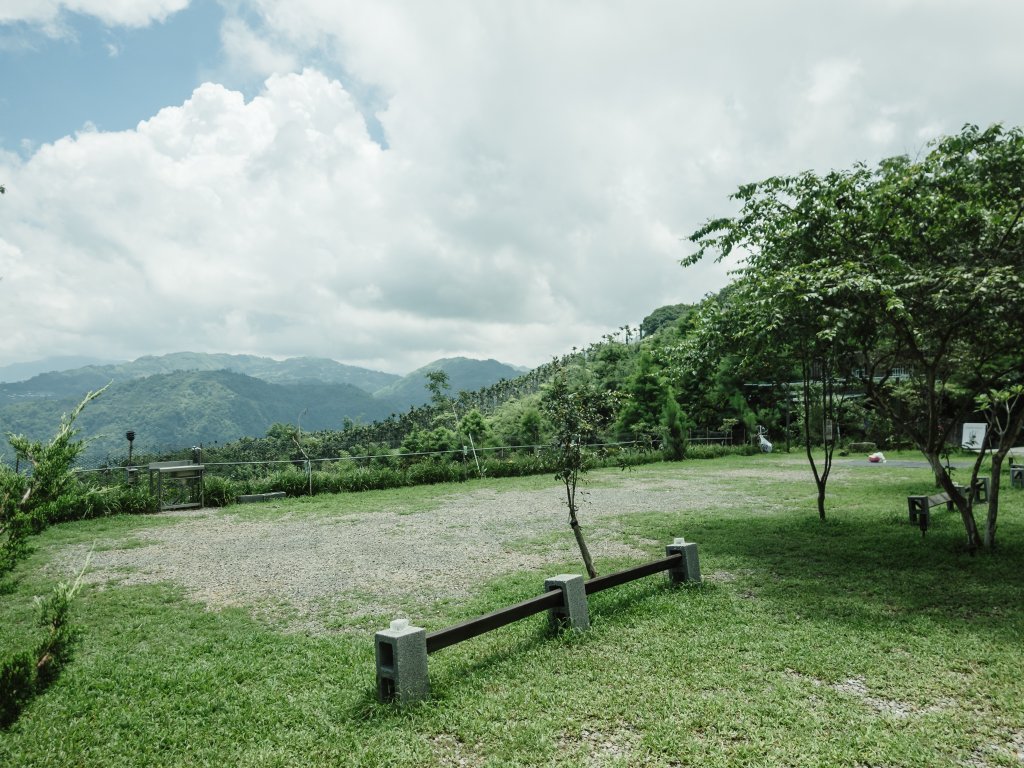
920,507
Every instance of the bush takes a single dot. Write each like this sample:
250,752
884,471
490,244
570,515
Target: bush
220,491
435,470
292,480
101,502
23,674
717,450
372,478
327,482
518,465
17,684
27,505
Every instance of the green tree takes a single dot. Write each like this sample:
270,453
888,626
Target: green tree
530,426
577,414
474,426
438,384
664,316
674,430
914,266
642,410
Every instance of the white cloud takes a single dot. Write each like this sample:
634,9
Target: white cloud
251,54
544,164
129,13
832,80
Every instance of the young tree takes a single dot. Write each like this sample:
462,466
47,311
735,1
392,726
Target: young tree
674,430
438,384
27,504
577,414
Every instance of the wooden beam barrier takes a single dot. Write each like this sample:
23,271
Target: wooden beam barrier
442,638
402,650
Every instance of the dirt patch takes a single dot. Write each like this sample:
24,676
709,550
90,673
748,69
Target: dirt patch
378,563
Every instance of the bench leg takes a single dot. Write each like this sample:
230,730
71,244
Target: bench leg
916,505
981,490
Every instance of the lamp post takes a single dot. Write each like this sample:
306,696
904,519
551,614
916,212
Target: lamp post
129,472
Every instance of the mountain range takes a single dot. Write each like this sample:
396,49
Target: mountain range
186,398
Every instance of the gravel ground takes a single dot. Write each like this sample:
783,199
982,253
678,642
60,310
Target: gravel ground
321,571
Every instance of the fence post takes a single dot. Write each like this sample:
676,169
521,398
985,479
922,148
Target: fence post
573,613
402,663
689,566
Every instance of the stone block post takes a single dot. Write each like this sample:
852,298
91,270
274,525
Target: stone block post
402,663
573,613
689,567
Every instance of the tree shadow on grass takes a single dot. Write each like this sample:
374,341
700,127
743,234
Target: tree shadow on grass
870,572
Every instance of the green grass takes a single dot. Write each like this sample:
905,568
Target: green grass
851,642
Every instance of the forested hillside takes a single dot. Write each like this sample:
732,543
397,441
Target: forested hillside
173,410
74,382
185,399
463,375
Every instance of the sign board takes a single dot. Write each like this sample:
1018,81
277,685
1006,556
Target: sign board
974,436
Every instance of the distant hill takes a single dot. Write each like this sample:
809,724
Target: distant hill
175,410
463,374
22,371
183,399
75,382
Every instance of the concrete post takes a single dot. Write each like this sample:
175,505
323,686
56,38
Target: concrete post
689,566
402,663
573,613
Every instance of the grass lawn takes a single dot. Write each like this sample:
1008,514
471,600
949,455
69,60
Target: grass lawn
853,642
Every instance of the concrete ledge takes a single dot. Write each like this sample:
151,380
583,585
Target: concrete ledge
573,613
252,498
401,653
689,566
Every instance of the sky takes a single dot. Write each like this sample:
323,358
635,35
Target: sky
389,183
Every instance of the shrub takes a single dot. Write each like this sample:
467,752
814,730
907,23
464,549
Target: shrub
292,480
219,491
103,502
372,479
23,674
435,470
717,450
17,683
51,486
327,482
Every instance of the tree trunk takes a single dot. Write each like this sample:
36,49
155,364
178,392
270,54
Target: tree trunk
963,504
584,552
993,500
936,464
1007,438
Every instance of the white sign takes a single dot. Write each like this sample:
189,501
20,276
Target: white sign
974,436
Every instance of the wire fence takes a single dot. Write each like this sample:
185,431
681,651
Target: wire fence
310,464
116,468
